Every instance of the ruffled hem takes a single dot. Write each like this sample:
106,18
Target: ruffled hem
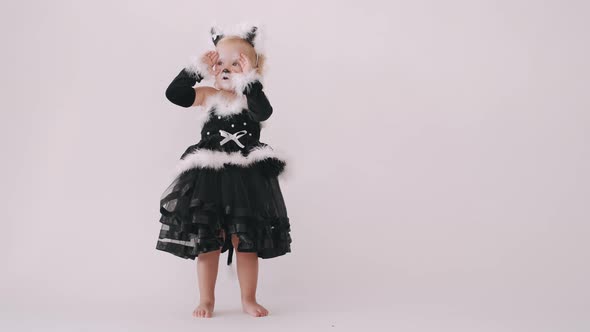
199,204
189,240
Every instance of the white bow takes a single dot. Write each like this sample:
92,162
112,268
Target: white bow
232,137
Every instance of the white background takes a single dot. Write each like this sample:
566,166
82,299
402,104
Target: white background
439,154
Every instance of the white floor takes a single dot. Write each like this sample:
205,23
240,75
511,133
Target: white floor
332,313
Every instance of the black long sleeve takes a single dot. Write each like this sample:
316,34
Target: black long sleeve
258,104
181,91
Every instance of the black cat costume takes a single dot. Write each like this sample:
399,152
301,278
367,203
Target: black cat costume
229,179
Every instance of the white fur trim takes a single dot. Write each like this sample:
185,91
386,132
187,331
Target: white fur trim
196,65
224,106
244,80
203,158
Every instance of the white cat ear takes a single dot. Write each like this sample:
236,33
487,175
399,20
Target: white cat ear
253,32
251,35
216,34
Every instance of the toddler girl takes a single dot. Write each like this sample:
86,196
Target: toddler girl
225,193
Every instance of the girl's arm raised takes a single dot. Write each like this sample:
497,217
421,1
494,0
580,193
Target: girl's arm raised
258,104
181,91
249,84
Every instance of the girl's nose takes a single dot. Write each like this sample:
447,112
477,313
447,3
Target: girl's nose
225,70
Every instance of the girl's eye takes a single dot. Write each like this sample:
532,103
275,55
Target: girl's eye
235,64
219,63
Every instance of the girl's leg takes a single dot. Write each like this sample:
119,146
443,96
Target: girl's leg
207,267
248,276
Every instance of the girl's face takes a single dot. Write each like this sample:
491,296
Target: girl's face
228,64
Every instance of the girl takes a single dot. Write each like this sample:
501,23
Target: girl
225,193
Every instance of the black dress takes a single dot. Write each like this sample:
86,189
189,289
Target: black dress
227,181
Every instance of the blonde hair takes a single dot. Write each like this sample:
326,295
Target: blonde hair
261,62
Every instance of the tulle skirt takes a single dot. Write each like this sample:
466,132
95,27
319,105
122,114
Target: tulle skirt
202,204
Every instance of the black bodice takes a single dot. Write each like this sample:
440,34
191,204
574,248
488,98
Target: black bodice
232,124
230,133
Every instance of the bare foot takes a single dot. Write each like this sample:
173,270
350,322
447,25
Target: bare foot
204,309
253,308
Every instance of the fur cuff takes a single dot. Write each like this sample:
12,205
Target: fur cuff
196,66
243,81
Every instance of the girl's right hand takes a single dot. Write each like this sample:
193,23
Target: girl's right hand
210,58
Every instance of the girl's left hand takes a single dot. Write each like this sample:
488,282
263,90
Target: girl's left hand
244,63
